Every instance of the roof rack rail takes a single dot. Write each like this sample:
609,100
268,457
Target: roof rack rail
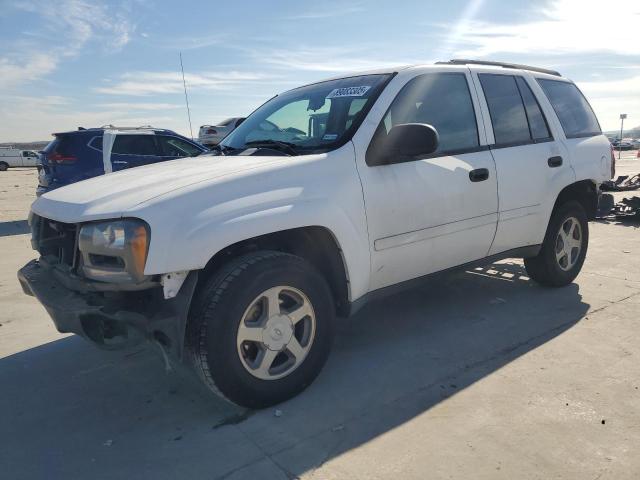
147,127
459,61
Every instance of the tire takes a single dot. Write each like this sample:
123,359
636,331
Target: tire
562,255
260,373
3,166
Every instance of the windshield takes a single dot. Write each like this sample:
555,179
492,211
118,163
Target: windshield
311,119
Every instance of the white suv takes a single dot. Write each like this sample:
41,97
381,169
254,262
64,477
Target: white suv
326,197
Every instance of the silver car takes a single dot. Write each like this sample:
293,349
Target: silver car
211,135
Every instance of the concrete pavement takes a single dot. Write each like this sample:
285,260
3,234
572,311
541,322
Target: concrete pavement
480,374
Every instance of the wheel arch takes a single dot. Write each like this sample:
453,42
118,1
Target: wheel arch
584,192
316,244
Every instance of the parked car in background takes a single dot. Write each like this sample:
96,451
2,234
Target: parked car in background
210,135
85,153
239,266
622,145
14,157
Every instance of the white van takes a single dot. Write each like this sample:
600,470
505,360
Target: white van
14,157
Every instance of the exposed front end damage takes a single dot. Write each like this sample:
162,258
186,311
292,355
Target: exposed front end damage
110,315
111,320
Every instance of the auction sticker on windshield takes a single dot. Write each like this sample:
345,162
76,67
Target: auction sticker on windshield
348,92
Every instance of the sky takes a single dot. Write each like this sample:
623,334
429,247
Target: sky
72,63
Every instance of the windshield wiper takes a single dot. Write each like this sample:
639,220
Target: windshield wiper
222,149
286,147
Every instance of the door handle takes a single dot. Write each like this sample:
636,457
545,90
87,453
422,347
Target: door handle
554,162
479,175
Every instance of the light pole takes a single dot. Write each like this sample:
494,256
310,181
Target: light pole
622,117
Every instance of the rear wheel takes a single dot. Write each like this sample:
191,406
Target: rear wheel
261,328
564,248
3,166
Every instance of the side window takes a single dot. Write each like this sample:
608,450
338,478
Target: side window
442,100
176,147
573,110
96,142
134,145
506,109
537,122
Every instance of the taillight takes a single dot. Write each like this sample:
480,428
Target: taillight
211,131
61,159
613,163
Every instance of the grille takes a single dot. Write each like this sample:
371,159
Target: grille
56,241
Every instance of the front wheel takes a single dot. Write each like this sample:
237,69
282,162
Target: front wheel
261,328
564,248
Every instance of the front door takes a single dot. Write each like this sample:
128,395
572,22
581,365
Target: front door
173,147
439,211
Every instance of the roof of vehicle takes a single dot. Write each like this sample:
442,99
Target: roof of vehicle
113,127
517,66
454,62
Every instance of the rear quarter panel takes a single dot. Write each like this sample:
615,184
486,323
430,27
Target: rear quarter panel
590,157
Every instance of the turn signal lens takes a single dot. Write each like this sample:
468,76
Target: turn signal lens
139,245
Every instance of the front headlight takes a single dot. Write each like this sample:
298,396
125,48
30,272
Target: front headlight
114,251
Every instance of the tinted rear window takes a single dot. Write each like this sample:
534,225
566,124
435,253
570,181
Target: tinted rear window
537,122
506,109
62,144
96,142
573,110
134,145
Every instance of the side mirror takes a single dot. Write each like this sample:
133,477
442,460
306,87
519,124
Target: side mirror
404,143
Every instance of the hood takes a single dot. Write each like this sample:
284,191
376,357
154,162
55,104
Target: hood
111,195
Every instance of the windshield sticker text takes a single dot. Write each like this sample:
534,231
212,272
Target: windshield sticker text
348,92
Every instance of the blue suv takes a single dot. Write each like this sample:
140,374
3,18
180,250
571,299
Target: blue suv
85,153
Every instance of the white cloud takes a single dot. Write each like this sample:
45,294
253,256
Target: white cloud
139,106
611,98
564,26
15,72
68,26
79,21
154,83
57,114
327,10
323,59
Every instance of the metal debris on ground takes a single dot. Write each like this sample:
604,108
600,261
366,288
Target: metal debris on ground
625,209
623,183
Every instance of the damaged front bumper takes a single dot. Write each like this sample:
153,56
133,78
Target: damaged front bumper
110,319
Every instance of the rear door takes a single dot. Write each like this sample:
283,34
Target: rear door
588,148
531,163
133,149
